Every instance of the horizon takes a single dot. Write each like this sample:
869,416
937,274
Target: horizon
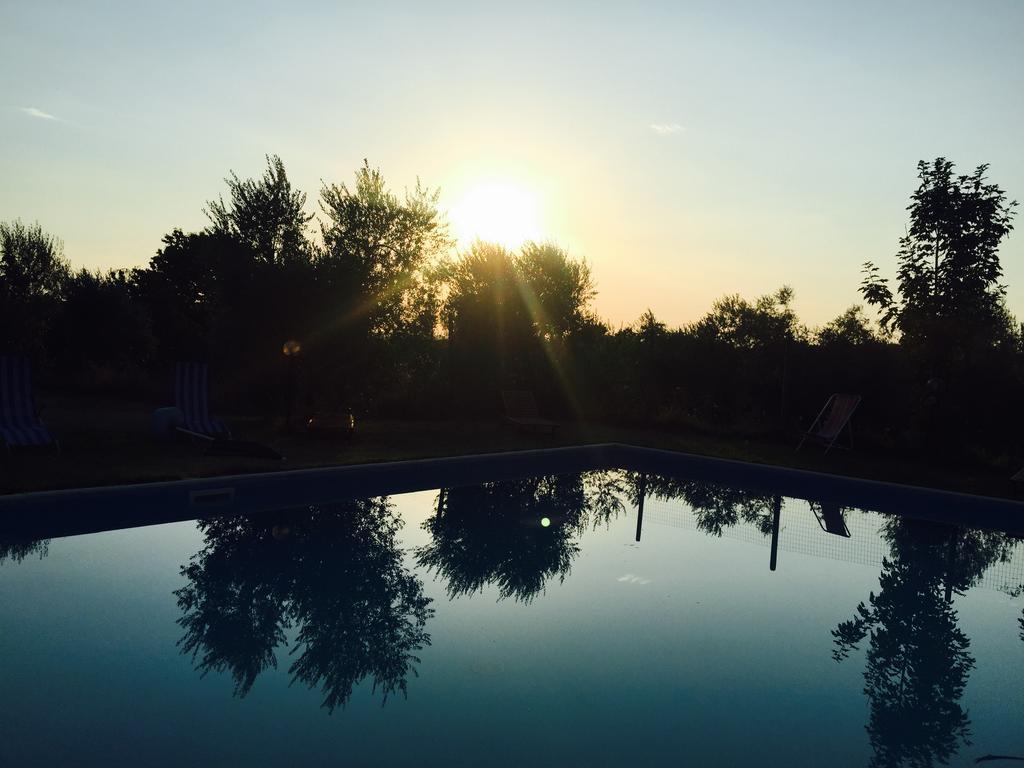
711,153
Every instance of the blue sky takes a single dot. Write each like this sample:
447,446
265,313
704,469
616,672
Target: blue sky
686,150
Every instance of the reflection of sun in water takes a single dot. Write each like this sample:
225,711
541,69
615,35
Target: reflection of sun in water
497,212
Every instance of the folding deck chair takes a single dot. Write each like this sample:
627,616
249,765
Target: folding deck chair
192,398
19,421
830,518
831,421
521,410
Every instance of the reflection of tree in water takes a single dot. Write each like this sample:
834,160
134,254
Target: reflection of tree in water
492,533
516,534
17,549
918,659
1017,592
715,507
335,573
605,492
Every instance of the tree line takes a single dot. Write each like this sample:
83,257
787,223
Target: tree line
393,322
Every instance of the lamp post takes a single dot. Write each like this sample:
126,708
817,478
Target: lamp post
291,350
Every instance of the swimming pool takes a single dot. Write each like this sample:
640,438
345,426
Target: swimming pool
603,606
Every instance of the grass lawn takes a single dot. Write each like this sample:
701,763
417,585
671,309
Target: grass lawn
108,442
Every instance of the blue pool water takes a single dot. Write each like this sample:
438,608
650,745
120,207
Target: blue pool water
518,622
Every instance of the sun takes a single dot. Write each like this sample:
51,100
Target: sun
499,212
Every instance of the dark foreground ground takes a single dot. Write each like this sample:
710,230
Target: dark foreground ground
106,442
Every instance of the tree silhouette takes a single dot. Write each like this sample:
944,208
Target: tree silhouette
17,549
949,266
850,329
334,573
495,534
33,274
266,215
556,289
918,659
393,324
715,507
487,323
191,286
606,492
766,322
101,326
949,306
379,249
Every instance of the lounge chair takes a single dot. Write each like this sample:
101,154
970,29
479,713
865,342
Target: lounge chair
1018,477
831,421
192,398
830,518
521,410
19,421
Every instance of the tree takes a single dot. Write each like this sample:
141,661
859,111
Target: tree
334,574
513,320
33,274
949,307
265,214
487,324
768,321
32,263
556,289
16,548
194,280
99,324
745,349
650,330
378,249
850,329
948,288
918,659
482,286
716,507
201,268
492,534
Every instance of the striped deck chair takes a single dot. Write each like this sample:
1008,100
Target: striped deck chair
192,397
831,421
19,422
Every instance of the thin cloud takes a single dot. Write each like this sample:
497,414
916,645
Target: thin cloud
35,112
666,129
632,578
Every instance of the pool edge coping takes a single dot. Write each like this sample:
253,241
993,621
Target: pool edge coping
250,493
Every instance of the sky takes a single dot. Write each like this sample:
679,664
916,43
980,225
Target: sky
687,150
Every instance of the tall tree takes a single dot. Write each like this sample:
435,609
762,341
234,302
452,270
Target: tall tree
488,327
193,280
947,288
33,275
557,289
264,214
378,249
32,262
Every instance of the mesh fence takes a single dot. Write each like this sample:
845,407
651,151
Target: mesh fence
800,532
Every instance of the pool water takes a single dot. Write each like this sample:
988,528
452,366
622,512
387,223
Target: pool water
540,621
